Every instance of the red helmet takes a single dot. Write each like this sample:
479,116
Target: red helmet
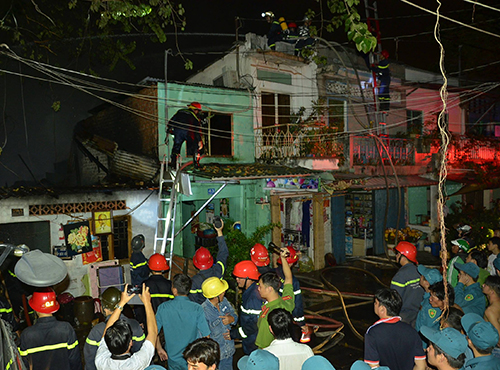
408,250
246,269
292,25
194,105
44,301
158,262
385,54
292,258
259,255
202,259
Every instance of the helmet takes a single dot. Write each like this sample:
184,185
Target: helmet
259,255
44,301
385,54
110,298
268,14
213,286
462,244
292,25
408,250
203,259
465,229
292,258
137,242
246,269
306,18
158,262
194,105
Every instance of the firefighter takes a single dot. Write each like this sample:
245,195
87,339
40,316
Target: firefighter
185,125
109,299
305,41
49,344
159,287
204,261
247,275
384,76
139,270
407,281
275,32
260,256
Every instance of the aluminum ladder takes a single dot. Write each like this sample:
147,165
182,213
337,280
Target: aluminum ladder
165,224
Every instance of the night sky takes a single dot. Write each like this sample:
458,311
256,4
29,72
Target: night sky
32,130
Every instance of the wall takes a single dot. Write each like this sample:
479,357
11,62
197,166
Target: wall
143,221
238,103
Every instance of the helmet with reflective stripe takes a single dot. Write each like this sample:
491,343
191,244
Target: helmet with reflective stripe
268,14
246,270
194,105
292,258
202,259
158,262
137,242
44,301
213,286
385,54
110,298
408,250
259,255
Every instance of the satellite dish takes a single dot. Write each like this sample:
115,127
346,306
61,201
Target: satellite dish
40,269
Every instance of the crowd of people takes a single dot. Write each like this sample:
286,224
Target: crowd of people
188,323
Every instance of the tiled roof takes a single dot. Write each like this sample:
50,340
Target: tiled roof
216,171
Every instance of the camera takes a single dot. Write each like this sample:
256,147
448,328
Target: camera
134,289
217,222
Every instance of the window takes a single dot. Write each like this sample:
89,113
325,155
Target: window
218,135
119,240
277,77
275,109
414,122
336,114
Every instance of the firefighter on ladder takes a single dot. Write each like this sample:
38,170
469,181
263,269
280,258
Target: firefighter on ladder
384,79
185,125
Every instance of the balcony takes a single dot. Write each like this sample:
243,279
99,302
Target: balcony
292,141
471,149
364,151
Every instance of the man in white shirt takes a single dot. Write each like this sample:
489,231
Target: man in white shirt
114,349
290,354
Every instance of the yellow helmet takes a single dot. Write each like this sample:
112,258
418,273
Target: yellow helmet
213,286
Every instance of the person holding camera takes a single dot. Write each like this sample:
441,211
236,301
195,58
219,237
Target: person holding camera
204,261
110,298
114,350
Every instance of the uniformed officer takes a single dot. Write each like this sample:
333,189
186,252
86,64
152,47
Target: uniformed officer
49,344
159,287
109,299
247,275
139,270
204,261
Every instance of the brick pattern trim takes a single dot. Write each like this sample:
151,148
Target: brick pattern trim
82,207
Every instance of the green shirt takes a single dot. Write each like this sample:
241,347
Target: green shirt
264,335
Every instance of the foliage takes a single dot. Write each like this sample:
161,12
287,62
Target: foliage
239,244
344,13
482,221
44,28
408,234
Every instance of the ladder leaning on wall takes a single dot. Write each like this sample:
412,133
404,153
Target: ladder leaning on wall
165,223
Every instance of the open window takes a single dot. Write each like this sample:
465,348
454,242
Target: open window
218,134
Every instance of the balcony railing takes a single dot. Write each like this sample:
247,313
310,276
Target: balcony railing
364,151
294,141
463,148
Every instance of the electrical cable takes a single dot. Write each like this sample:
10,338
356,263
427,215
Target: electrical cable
450,19
483,5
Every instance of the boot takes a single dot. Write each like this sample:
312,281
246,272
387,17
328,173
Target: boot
173,161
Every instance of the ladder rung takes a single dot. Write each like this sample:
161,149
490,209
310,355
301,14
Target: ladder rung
165,199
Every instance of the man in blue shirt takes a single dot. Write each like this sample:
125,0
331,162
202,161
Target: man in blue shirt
468,293
427,316
446,348
482,337
182,321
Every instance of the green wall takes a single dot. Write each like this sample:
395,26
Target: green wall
242,207
238,103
